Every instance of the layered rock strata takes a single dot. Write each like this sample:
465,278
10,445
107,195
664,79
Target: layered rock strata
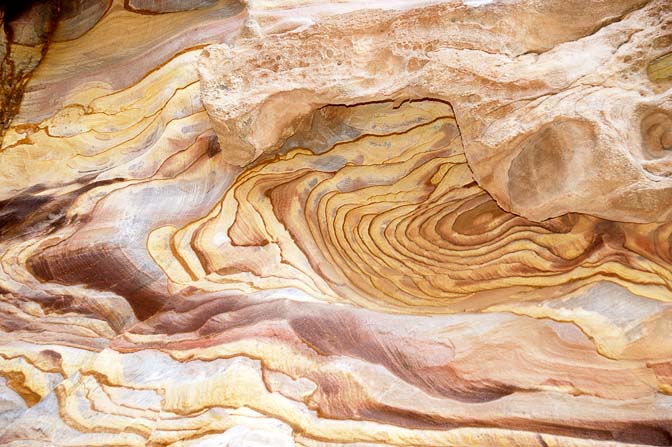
305,223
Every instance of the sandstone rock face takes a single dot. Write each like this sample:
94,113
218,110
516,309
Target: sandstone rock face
558,103
329,224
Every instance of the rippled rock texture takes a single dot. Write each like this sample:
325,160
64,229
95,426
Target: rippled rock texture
336,224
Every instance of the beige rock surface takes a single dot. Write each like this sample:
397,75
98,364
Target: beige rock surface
558,103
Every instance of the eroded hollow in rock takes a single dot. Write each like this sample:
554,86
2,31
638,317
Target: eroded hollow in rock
551,162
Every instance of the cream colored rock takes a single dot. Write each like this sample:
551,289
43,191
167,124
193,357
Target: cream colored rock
557,103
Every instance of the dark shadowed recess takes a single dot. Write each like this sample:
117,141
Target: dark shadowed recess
32,212
27,23
15,8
